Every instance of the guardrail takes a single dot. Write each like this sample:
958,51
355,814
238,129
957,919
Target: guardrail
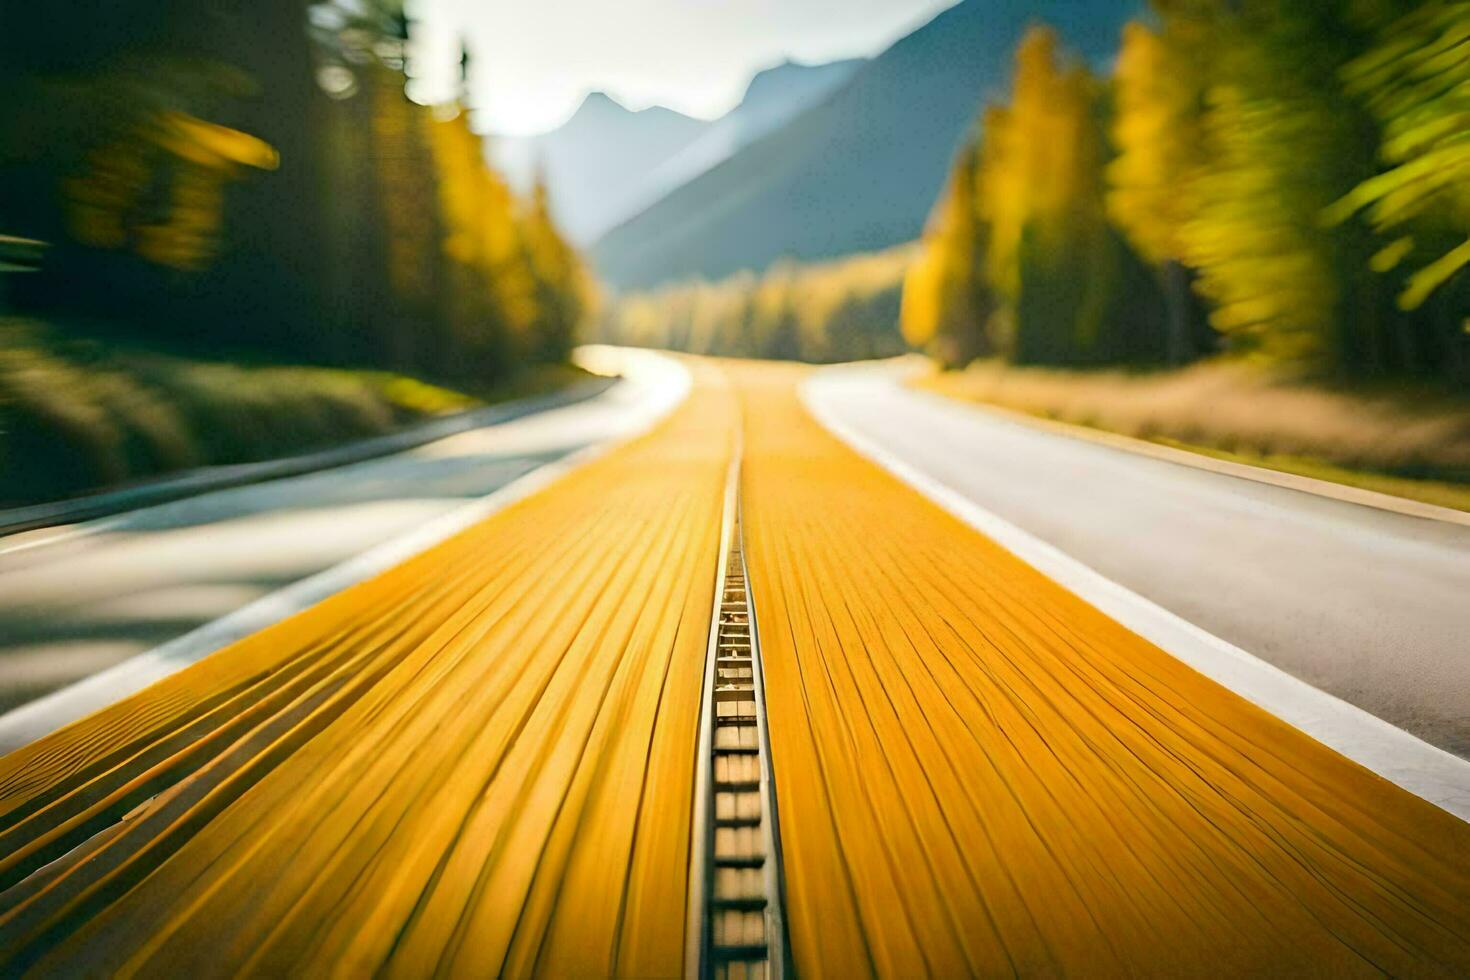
20,254
193,482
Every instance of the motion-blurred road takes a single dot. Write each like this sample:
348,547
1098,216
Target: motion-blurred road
127,584
484,761
1365,604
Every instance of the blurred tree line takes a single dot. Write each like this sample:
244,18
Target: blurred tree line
1285,180
828,312
250,178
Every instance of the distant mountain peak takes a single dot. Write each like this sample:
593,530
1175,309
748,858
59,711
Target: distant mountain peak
597,103
600,105
791,67
859,167
607,162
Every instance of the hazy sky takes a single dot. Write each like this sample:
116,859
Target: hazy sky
534,60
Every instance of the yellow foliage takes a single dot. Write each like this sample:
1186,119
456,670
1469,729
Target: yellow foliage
945,307
185,161
1264,261
212,145
1041,161
481,236
845,309
1156,130
1416,82
919,316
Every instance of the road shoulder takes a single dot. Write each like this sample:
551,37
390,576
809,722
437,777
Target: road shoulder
1405,760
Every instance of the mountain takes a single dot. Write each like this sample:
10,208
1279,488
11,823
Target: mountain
594,159
860,170
607,162
773,97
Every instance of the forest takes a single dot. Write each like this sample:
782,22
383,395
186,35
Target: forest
1271,181
842,310
1284,182
248,184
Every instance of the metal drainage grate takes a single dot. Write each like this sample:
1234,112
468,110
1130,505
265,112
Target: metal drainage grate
736,929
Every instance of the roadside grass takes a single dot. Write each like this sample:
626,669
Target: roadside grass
1404,440
76,417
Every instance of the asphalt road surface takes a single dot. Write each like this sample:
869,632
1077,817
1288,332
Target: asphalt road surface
98,594
482,761
1366,604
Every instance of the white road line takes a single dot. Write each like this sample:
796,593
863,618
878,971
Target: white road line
1409,762
668,382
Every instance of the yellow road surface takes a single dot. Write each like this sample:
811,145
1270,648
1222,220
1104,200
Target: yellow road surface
483,761
977,773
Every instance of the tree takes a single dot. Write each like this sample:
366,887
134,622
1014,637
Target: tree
487,315
1284,143
833,311
564,292
1071,288
946,305
239,177
776,327
1415,80
1157,130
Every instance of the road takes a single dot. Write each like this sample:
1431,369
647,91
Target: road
107,591
481,760
478,760
1365,604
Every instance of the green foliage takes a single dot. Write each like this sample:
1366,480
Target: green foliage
1302,168
838,311
1415,80
1283,142
230,180
76,416
1022,253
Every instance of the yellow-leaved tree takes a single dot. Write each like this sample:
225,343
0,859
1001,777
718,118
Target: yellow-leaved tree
946,306
565,293
1157,131
1072,291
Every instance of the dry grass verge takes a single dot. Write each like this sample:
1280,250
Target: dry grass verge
1409,442
76,418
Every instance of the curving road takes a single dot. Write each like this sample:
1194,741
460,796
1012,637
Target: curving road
1365,604
482,761
75,602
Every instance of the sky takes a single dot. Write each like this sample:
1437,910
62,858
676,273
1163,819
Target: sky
535,60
